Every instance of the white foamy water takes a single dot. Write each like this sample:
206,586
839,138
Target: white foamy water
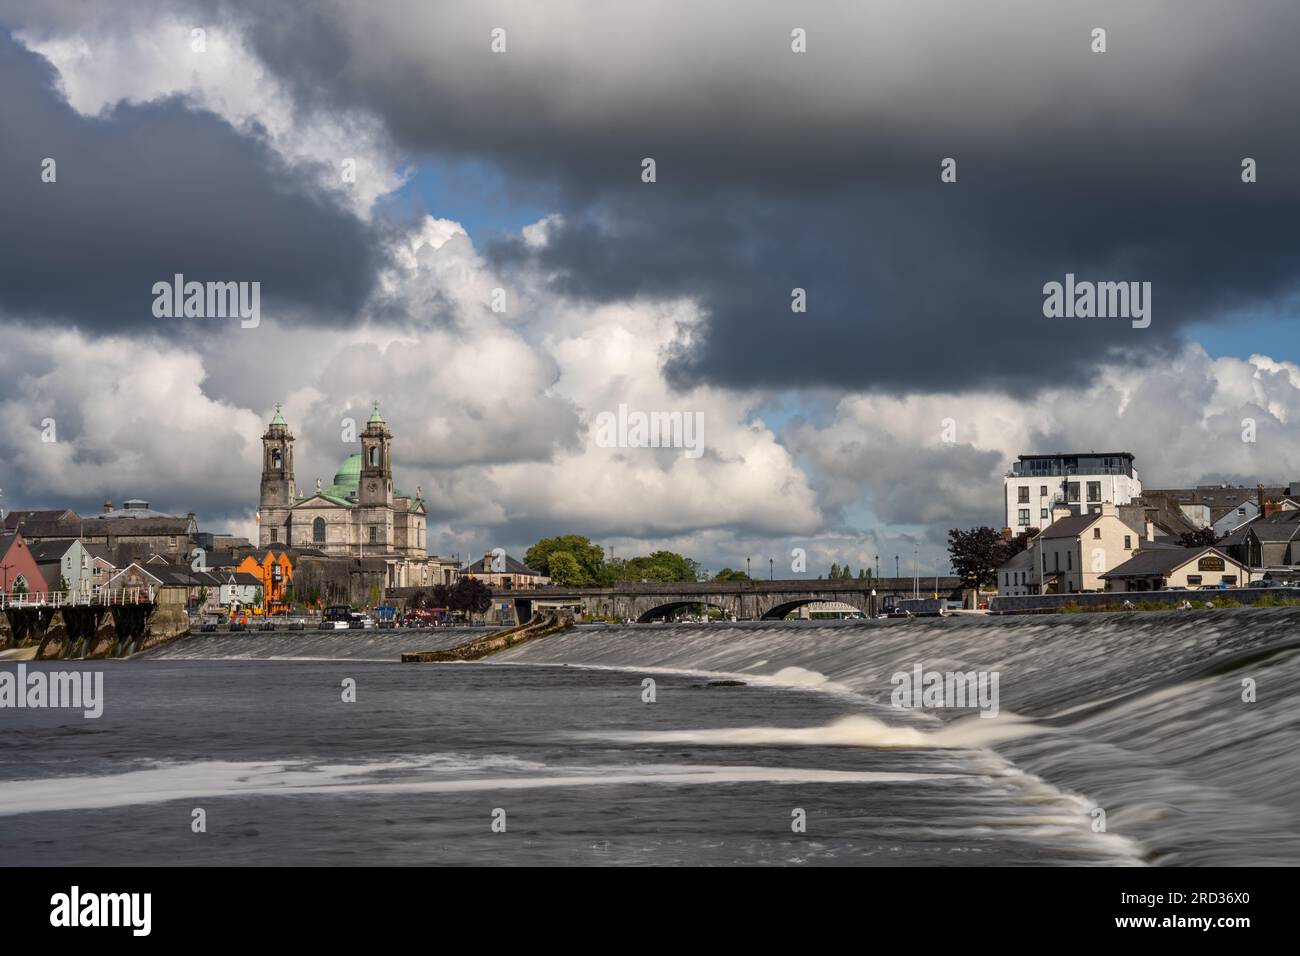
856,731
211,779
1144,715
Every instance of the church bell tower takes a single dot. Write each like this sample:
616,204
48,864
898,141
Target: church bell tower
376,489
277,483
375,496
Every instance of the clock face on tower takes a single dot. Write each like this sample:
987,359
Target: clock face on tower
372,487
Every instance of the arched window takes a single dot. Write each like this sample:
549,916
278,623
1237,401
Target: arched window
20,585
318,531
276,461
374,456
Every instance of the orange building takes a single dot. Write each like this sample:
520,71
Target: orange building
275,572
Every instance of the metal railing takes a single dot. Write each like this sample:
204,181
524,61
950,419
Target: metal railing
98,597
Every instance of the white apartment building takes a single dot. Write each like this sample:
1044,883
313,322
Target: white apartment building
1081,481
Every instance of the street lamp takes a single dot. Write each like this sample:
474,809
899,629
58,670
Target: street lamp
896,574
877,567
747,571
916,571
771,569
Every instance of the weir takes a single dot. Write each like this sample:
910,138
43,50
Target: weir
107,624
541,625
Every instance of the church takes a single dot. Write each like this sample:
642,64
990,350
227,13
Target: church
360,515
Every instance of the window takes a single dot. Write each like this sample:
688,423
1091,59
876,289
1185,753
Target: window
275,535
1024,494
277,462
1094,491
1042,491
1072,491
1057,556
1069,560
1024,516
318,531
1096,533
374,456
1042,513
1230,580
374,534
1128,542
1193,579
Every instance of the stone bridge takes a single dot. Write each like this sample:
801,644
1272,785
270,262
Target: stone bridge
743,600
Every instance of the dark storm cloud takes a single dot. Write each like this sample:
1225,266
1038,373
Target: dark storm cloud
144,192
821,170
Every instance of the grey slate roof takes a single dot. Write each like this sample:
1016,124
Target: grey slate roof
1024,561
1159,561
512,566
1279,526
1070,527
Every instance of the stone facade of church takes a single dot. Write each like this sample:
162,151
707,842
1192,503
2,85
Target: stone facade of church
360,515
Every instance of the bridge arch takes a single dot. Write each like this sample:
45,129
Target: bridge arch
664,610
779,612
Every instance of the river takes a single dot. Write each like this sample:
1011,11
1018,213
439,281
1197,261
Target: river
1120,740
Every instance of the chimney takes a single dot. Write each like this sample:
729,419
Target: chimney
1060,510
1259,496
108,505
1270,507
1149,529
487,562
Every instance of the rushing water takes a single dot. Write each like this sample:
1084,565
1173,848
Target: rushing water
1139,716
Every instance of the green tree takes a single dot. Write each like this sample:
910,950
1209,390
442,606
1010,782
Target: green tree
726,574
1200,538
590,557
835,571
976,555
659,566
564,569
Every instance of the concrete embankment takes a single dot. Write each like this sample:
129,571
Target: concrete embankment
550,622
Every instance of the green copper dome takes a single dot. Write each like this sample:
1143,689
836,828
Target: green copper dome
278,419
375,417
347,482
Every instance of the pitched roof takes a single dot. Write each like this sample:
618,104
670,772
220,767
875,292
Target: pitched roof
1160,561
512,567
48,552
102,527
1022,561
1070,527
1279,526
14,518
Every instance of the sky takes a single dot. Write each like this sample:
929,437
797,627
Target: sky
381,171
